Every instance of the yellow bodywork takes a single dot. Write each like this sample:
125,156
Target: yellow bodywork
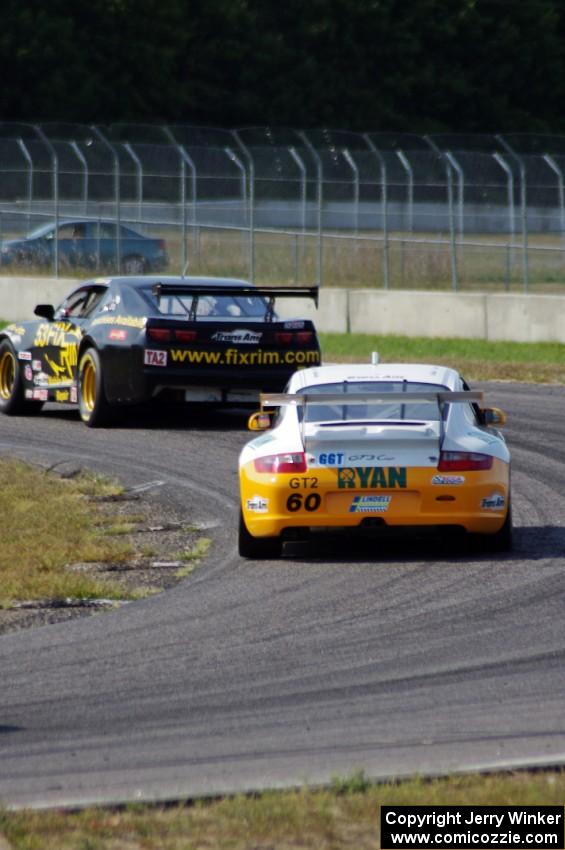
331,497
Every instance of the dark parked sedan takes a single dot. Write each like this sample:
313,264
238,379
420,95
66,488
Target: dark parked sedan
87,244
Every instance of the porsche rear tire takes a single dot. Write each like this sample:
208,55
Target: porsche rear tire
95,411
501,541
12,401
258,548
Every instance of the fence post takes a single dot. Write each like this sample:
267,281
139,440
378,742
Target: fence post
55,167
451,211
508,171
117,211
251,164
302,169
186,159
29,161
238,163
523,211
354,168
410,172
139,170
384,205
320,178
460,189
82,159
555,168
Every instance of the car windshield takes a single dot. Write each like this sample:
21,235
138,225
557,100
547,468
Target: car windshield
41,231
221,306
395,411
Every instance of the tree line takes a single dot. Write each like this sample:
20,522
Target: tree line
385,65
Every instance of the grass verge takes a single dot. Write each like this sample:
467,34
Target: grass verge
48,524
478,360
343,816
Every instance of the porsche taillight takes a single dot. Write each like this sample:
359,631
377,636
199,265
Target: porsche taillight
292,462
463,461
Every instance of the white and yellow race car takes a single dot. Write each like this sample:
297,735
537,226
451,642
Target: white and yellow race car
374,447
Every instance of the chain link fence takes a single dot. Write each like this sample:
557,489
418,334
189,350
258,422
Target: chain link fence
483,212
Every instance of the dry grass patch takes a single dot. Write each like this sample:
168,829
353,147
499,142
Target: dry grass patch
48,524
343,817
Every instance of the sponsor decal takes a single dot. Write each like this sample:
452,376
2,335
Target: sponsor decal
154,358
118,333
330,458
128,321
40,395
257,504
28,374
309,482
41,379
15,330
340,458
493,503
448,480
294,325
64,369
73,395
36,365
24,355
234,357
28,393
369,504
239,336
367,458
55,334
371,477
61,395
298,501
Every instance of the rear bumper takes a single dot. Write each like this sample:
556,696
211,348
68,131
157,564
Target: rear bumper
323,498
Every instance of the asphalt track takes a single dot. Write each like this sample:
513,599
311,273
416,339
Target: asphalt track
397,660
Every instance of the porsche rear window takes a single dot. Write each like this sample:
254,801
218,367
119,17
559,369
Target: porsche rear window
396,411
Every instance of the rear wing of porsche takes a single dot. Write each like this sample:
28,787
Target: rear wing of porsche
269,293
302,399
438,399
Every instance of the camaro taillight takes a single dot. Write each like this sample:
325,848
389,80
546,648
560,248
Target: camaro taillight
185,336
159,334
281,463
168,334
461,461
287,338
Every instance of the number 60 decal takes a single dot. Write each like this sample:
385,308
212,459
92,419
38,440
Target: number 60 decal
296,501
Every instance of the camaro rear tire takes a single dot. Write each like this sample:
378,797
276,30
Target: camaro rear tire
94,408
12,399
259,548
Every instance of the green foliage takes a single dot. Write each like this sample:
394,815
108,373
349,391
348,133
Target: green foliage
466,65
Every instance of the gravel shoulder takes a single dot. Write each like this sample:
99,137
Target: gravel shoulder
166,545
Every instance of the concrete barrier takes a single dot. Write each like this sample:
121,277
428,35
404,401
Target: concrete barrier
19,295
519,318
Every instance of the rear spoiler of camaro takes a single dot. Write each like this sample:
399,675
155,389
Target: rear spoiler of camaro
268,292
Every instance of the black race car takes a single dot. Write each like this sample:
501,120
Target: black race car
125,340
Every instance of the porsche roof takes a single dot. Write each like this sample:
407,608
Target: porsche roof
352,372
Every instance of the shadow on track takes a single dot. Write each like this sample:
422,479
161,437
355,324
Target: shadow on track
531,543
171,417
